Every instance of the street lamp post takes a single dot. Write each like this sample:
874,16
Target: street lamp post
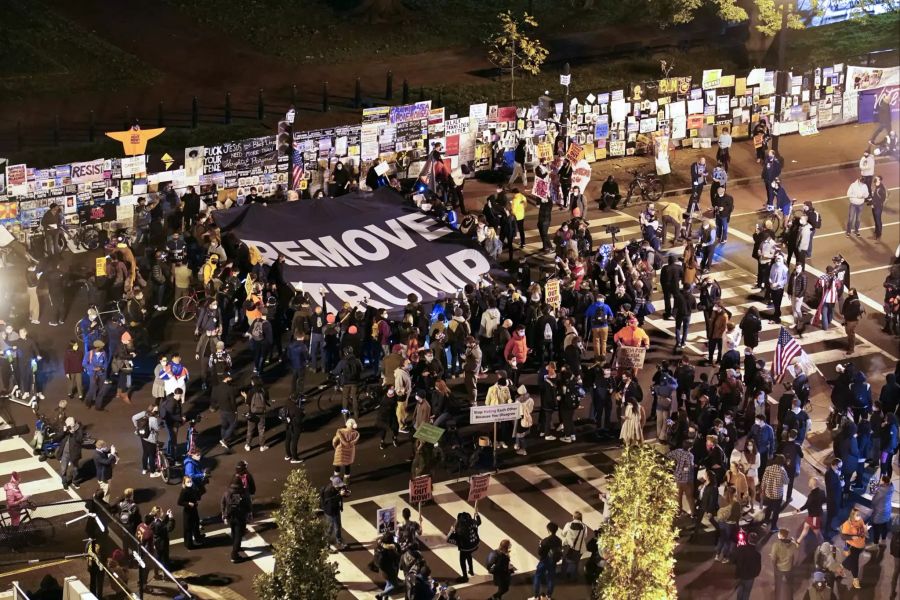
565,79
289,116
780,77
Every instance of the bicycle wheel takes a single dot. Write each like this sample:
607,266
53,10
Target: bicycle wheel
654,190
771,221
90,238
185,308
36,531
165,468
629,194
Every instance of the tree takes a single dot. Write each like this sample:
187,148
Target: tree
638,540
302,566
766,17
510,48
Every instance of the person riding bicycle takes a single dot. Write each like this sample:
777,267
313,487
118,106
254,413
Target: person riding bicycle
779,194
16,501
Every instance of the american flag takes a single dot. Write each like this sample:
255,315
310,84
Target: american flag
297,167
786,350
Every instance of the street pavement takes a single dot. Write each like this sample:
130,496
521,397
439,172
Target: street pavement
555,478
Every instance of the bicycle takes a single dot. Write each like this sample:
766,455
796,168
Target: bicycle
165,466
330,393
31,531
186,307
775,220
650,187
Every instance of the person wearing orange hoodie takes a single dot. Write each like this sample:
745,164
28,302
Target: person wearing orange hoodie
632,335
517,347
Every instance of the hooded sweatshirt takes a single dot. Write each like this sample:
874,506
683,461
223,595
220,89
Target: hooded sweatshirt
516,346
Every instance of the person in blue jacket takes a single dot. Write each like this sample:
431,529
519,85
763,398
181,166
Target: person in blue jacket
779,195
598,316
764,436
95,364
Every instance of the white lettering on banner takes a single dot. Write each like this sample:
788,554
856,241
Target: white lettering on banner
397,235
442,278
355,294
493,414
383,293
331,252
471,263
419,223
293,254
354,236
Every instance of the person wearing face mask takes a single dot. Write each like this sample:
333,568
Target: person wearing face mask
172,415
781,198
340,180
707,245
471,369
770,172
189,501
778,279
857,194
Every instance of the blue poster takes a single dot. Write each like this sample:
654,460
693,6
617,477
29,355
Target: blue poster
601,131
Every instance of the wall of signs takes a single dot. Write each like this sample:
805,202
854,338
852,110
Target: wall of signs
600,125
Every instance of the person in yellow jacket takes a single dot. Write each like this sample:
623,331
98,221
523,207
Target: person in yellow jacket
499,394
209,269
519,204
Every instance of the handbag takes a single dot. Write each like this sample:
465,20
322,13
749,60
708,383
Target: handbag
649,308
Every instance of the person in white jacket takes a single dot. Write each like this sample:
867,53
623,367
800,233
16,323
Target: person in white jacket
857,193
867,170
574,536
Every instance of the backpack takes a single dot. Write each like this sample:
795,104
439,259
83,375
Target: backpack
258,403
491,561
127,510
257,332
143,426
144,534
657,261
816,219
233,506
352,370
766,384
548,332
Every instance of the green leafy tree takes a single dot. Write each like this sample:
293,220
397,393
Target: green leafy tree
767,17
638,541
511,48
302,565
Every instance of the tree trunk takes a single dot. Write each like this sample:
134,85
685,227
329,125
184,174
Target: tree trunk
512,74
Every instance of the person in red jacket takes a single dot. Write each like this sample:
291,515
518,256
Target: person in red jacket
72,367
517,346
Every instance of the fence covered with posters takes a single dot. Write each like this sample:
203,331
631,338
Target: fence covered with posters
679,111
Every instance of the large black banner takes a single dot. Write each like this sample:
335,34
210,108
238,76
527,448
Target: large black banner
365,246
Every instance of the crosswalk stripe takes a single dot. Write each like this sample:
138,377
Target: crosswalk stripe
360,528
561,495
490,534
20,465
357,582
580,466
522,512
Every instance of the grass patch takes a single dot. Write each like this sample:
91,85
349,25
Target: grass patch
334,30
173,141
40,51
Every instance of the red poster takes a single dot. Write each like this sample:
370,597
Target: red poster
452,145
506,113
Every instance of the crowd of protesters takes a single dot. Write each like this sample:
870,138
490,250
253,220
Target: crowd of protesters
732,448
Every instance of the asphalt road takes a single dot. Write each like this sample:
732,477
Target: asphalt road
551,482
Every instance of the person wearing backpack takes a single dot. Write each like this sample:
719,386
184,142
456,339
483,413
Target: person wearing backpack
408,533
550,552
258,406
574,535
261,338
349,375
146,427
501,570
236,508
464,535
127,511
172,415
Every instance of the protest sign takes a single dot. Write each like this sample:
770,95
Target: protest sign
478,486
808,127
574,153
541,188
629,357
386,520
420,489
428,433
551,293
494,414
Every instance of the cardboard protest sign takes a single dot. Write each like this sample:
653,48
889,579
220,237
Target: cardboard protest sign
386,520
428,433
478,486
420,489
541,188
494,414
574,153
551,293
629,357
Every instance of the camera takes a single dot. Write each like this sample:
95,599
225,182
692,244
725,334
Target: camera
612,229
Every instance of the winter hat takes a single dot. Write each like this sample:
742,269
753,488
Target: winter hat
352,330
329,318
351,423
98,344
522,390
220,345
70,421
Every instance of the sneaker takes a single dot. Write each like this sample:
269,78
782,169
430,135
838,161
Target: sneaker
522,452
223,444
724,561
34,322
247,447
504,445
403,430
53,324
296,461
161,308
263,448
156,474
143,471
196,357
858,234
567,439
287,458
549,438
381,445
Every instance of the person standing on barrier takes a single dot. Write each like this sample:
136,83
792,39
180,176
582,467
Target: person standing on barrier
105,459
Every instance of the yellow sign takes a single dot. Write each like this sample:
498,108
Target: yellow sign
100,267
134,141
551,293
167,160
